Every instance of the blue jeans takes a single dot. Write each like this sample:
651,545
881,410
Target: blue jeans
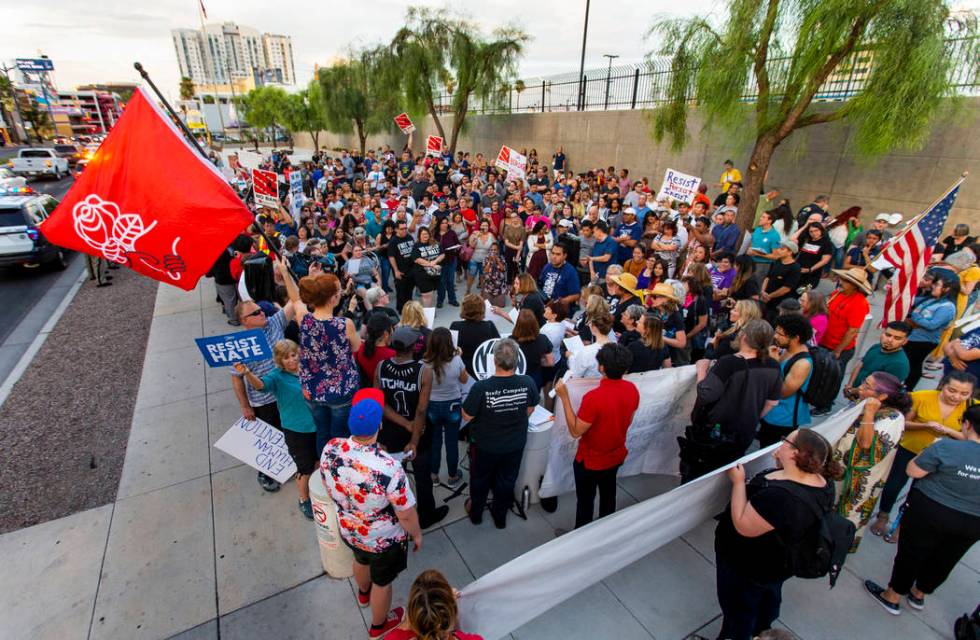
385,274
447,282
330,420
445,416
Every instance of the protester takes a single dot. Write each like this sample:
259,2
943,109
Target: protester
887,356
428,258
813,305
536,347
583,363
443,415
498,408
935,414
375,509
942,520
816,251
413,317
473,330
480,242
929,316
868,448
649,352
765,239
783,278
374,348
296,420
401,248
495,284
667,246
846,310
603,417
773,512
725,342
791,334
559,280
433,613
696,306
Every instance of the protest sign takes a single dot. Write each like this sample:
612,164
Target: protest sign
259,445
433,146
512,162
679,186
404,123
296,197
652,437
265,186
230,348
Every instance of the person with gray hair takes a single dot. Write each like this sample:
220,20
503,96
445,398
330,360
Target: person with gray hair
497,408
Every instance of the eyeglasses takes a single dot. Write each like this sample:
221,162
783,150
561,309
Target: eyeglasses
790,443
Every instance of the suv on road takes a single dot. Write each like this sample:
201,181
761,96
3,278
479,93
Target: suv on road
21,244
39,161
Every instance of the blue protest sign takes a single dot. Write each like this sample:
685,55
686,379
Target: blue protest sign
226,350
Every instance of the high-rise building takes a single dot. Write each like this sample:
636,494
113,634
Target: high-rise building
226,52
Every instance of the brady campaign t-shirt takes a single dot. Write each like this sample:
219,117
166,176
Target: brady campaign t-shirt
499,408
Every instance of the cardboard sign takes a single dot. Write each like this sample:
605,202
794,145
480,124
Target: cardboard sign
259,445
433,146
265,186
405,123
512,162
296,197
225,350
679,186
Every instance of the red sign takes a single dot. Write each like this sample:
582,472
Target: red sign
166,214
404,123
433,146
265,186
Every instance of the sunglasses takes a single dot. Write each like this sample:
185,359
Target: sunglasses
255,313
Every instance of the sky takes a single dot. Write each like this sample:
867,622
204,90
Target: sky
97,41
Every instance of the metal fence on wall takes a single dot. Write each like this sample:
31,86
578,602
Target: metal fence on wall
643,86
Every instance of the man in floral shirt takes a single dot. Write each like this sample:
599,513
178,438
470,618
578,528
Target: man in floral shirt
375,507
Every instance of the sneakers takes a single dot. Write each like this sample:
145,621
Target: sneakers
499,521
453,303
437,516
268,483
363,599
306,508
875,590
916,603
454,482
393,620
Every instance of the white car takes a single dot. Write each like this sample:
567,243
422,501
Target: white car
39,161
10,181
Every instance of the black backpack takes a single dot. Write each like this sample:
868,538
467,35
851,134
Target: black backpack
826,377
967,626
824,547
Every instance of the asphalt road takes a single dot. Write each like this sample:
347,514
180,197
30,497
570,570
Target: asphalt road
20,289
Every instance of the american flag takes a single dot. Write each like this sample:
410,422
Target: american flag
909,253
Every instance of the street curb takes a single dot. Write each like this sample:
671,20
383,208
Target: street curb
38,342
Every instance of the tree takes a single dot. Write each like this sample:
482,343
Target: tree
39,119
267,107
186,88
437,49
361,94
7,105
788,49
306,112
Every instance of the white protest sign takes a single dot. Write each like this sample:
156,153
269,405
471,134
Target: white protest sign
296,197
455,335
573,344
679,186
259,445
512,314
430,316
512,162
666,399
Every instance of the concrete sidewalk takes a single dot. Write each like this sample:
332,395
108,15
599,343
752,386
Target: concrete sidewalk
193,548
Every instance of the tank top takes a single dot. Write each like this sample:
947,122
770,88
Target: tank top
326,366
401,383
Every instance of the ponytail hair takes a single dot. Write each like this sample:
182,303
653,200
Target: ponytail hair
431,609
815,455
896,395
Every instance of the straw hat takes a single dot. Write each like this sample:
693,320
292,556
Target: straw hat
857,276
626,281
663,289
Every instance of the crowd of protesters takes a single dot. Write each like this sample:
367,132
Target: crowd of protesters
645,283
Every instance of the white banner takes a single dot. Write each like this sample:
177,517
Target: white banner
679,186
666,399
259,445
296,197
527,586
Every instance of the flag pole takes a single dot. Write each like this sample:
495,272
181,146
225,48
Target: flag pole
170,110
908,225
190,136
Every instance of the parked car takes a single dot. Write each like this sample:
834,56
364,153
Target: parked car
71,152
21,243
10,181
39,161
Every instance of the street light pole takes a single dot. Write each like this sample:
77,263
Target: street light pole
581,66
608,73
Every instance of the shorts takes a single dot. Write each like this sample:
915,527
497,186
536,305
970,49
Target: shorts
302,448
384,565
426,283
475,268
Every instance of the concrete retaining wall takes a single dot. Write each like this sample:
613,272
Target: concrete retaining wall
813,161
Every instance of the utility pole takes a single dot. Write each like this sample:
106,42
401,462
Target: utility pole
608,73
13,94
581,66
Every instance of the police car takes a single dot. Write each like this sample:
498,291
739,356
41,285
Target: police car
21,244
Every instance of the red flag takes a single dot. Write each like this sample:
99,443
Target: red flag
265,187
148,200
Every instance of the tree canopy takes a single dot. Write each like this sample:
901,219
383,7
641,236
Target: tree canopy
306,111
186,88
785,51
266,107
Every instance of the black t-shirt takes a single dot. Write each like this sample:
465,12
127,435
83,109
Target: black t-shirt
812,251
764,558
748,289
441,176
734,393
697,308
499,408
645,358
784,275
721,197
617,307
403,251
405,168
534,301
950,246
401,384
426,252
418,189
473,333
534,350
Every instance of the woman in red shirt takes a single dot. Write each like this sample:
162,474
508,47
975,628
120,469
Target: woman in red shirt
432,611
604,417
374,349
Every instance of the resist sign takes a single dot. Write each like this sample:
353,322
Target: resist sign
679,186
259,445
226,350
